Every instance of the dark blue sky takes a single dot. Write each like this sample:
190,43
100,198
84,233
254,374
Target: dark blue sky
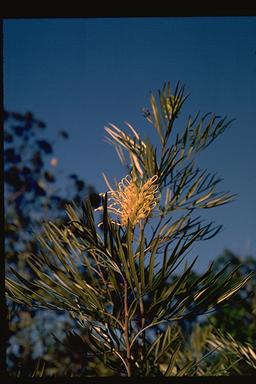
81,74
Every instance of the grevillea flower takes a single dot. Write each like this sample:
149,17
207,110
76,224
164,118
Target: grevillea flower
133,201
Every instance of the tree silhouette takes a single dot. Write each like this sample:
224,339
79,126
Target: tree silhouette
31,195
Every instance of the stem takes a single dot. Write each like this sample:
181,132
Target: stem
142,314
141,304
126,331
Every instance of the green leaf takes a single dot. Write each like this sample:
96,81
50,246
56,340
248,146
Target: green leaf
231,292
152,261
134,272
173,361
142,259
154,345
193,188
157,118
122,257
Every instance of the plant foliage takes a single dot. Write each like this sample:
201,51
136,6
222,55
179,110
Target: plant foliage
117,277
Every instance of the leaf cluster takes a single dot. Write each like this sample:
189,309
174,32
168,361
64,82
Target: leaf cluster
119,283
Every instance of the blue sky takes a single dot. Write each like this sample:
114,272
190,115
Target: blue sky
81,74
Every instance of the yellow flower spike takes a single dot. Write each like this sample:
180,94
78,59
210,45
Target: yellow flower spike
133,202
